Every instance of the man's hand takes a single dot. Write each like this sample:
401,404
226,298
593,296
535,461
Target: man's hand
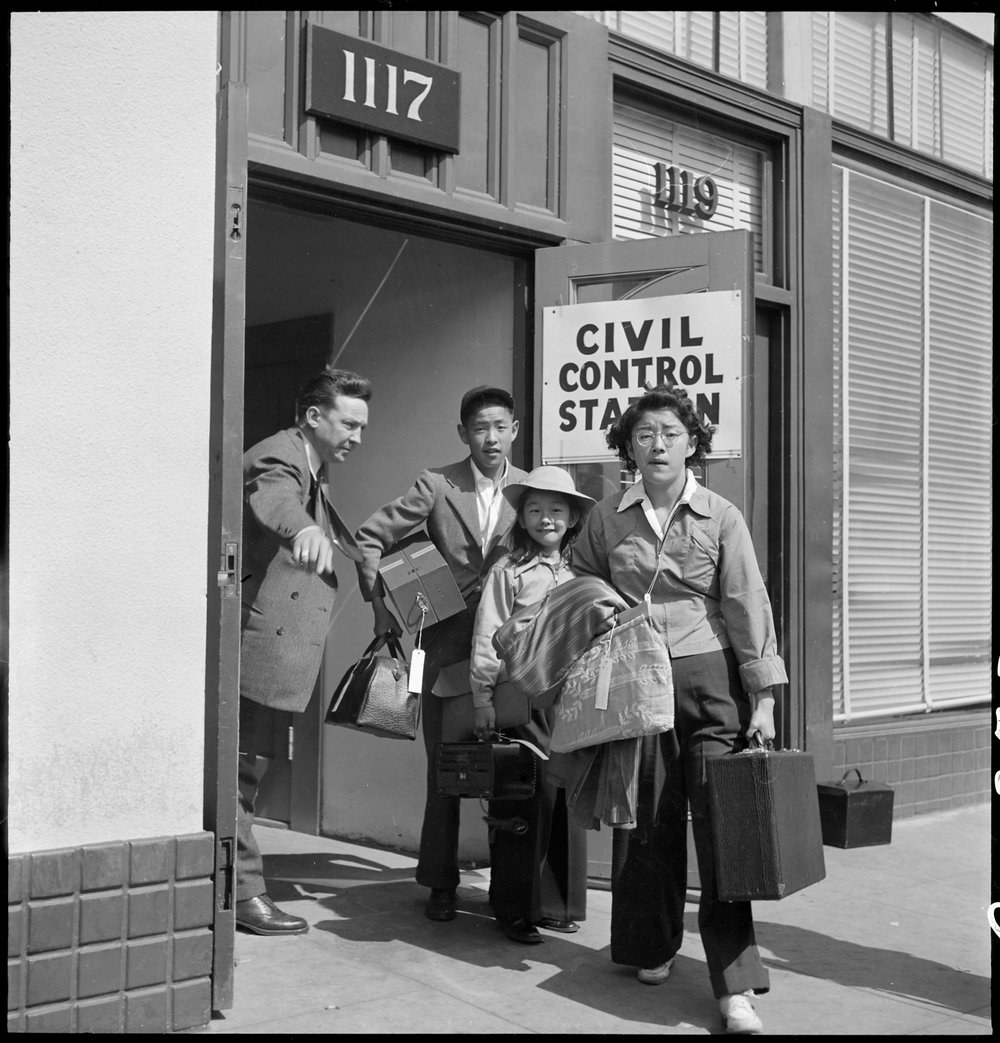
385,621
486,722
762,718
312,549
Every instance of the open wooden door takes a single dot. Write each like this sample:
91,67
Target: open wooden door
614,272
225,522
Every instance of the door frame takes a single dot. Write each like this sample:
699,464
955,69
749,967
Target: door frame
305,739
225,523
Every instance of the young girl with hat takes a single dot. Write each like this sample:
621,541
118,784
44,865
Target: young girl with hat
538,857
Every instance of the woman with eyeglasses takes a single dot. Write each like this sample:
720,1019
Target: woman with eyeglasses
685,552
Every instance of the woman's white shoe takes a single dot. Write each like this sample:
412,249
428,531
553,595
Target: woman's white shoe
739,1015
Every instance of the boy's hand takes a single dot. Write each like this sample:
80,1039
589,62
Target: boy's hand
384,619
486,722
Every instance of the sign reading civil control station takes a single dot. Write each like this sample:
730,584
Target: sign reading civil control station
596,359
362,83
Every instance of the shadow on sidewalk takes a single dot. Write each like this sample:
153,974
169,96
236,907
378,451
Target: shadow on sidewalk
867,967
393,911
324,871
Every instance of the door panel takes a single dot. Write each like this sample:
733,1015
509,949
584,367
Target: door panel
661,267
225,520
654,268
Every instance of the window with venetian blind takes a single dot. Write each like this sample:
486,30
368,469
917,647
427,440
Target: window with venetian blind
912,520
907,77
642,138
733,43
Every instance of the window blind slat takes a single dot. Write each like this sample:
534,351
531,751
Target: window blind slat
883,496
959,506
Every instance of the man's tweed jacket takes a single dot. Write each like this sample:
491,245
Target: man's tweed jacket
286,609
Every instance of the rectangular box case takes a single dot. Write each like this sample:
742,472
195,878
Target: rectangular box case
415,567
497,771
765,824
855,813
457,712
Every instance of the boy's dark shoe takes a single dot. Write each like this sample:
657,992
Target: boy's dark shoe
262,916
564,926
520,930
441,904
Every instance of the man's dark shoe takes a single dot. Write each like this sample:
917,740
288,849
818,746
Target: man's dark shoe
441,904
262,916
520,930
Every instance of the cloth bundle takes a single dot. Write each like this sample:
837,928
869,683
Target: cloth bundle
540,642
622,687
602,784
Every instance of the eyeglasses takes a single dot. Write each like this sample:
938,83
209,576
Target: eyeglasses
645,439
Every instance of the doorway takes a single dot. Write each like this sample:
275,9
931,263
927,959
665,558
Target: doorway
424,319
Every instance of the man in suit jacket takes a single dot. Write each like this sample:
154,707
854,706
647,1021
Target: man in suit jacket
290,530
466,517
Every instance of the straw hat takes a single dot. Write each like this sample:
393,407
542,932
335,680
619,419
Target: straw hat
550,479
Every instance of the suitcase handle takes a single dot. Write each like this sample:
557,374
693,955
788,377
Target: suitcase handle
754,744
857,772
508,740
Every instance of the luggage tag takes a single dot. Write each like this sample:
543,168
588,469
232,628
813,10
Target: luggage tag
628,614
604,674
641,611
415,681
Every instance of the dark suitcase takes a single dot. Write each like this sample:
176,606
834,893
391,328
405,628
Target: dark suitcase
855,814
493,770
765,824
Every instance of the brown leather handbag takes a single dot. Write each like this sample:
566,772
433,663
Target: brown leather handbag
373,695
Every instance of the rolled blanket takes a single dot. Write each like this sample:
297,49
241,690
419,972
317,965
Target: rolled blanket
539,643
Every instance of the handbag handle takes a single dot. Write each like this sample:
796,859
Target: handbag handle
857,772
387,638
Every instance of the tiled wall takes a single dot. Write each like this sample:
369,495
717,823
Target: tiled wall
111,937
933,766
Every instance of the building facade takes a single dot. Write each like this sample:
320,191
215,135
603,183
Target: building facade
422,197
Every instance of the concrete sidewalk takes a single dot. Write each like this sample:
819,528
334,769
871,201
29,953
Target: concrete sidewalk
894,941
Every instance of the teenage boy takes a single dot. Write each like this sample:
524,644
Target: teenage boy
466,516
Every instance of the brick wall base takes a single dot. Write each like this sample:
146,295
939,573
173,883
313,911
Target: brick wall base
111,937
933,763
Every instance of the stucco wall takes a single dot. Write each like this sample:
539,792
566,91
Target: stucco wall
112,171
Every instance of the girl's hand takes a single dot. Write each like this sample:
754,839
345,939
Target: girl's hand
486,721
762,718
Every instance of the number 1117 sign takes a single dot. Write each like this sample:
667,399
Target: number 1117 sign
355,81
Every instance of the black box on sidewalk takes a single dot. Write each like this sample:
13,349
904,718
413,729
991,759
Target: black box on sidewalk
765,824
855,813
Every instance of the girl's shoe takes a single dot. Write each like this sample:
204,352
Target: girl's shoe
655,975
739,1015
520,930
565,926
